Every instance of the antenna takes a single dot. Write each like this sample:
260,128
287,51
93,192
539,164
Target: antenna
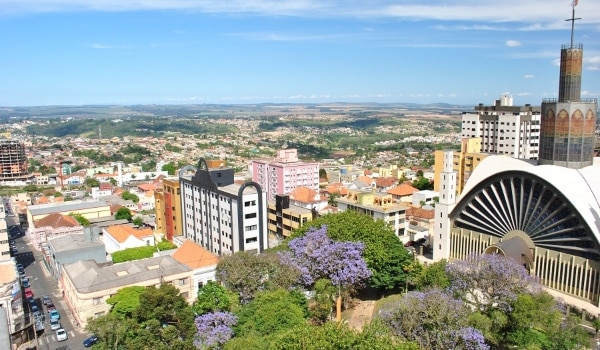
573,19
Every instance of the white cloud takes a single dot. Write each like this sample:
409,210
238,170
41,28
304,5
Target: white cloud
550,13
512,43
591,63
101,46
529,76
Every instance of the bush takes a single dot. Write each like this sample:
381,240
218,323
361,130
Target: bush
133,254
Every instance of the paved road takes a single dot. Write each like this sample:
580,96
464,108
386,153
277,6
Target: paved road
44,284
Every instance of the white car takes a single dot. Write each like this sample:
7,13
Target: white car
54,325
61,334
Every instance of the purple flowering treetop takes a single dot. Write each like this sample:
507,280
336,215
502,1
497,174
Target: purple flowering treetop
318,256
435,320
490,281
214,329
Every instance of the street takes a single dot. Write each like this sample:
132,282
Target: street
41,283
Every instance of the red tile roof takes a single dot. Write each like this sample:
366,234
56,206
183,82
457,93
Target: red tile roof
303,194
122,232
56,220
421,213
402,190
194,256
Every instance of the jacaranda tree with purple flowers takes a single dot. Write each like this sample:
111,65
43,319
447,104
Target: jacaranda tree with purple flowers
214,329
490,281
318,256
435,320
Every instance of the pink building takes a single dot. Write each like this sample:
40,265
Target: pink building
283,174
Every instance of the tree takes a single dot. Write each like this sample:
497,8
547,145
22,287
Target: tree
169,167
82,220
125,301
490,281
322,304
318,256
213,297
433,275
270,312
384,253
123,213
435,320
138,221
91,182
130,196
214,329
323,174
113,181
246,273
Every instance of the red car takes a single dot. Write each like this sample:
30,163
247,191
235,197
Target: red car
28,293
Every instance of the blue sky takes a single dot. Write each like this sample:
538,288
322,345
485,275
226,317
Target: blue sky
74,52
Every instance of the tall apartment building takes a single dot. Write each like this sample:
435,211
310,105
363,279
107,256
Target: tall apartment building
4,247
283,174
13,162
464,162
220,215
505,129
167,208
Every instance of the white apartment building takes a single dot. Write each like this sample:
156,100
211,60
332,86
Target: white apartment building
220,215
505,129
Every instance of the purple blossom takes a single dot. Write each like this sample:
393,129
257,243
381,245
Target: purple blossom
435,320
214,329
490,280
318,256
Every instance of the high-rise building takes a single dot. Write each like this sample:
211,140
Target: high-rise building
220,215
13,162
569,122
283,174
504,129
167,207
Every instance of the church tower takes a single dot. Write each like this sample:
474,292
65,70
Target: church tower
568,125
447,200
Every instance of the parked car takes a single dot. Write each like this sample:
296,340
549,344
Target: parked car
39,325
89,341
61,334
54,315
28,293
421,240
25,282
46,299
50,306
34,308
21,271
54,325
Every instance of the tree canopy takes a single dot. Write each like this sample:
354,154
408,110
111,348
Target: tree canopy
123,213
383,252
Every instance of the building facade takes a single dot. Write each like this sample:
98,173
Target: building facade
167,202
284,217
379,206
283,174
220,215
13,162
505,129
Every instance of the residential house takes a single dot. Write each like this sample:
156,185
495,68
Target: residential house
425,197
403,193
89,209
52,226
202,263
120,237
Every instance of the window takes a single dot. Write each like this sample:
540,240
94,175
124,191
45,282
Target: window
251,240
250,215
97,301
251,227
182,281
99,314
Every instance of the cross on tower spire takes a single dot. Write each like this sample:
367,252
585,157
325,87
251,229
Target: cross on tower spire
573,19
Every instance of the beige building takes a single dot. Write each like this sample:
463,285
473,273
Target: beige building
167,207
88,209
380,206
87,285
465,161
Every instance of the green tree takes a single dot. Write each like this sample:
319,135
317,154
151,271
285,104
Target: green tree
113,181
125,301
246,273
384,253
149,165
83,221
323,174
213,297
169,167
130,196
91,182
270,312
138,221
165,245
323,301
433,275
123,213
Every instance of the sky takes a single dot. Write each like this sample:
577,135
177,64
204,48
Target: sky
125,52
